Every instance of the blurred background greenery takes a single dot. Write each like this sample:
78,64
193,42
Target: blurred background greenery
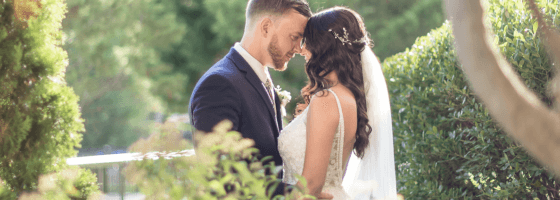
135,62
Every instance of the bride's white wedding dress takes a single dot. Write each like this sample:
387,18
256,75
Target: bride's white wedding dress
369,177
292,144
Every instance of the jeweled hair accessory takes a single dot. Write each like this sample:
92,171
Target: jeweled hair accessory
344,39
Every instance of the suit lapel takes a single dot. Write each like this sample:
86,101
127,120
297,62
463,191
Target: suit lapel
278,112
254,80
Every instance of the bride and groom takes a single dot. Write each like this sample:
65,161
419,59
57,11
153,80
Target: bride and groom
342,141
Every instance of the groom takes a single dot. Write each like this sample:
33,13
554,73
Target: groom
239,87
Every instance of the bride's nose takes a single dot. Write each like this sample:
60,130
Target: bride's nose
297,49
303,50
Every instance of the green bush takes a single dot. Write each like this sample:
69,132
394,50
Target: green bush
72,183
40,120
446,144
5,192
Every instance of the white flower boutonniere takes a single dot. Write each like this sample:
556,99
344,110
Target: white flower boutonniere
285,98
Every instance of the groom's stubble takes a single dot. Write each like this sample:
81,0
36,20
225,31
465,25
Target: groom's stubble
279,60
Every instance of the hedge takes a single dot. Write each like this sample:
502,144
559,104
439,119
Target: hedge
446,144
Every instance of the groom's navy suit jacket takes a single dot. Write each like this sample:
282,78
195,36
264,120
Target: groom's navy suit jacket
231,90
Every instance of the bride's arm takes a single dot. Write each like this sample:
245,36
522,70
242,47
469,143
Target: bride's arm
322,121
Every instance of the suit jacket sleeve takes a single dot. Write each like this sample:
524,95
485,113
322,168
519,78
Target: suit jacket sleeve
214,100
281,189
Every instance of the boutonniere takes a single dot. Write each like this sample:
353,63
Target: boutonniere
285,98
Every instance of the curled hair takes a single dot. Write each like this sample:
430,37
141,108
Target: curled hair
329,53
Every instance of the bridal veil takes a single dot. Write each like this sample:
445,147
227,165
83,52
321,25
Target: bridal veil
373,176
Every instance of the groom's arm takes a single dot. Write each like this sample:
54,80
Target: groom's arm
214,100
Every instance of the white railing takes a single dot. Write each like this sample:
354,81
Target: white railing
108,167
105,160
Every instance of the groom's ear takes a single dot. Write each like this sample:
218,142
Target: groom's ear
266,27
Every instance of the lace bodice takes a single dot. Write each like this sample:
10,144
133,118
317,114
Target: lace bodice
292,144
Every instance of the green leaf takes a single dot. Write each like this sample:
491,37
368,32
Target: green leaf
519,35
535,27
301,179
3,33
227,178
217,187
272,188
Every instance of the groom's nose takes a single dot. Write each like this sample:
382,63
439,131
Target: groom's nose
297,49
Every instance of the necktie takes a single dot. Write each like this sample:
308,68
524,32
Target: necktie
270,90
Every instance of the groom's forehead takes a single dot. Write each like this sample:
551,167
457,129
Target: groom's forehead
293,21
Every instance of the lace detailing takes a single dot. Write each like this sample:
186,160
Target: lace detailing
292,145
334,176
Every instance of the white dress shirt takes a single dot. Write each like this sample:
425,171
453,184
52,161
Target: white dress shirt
260,70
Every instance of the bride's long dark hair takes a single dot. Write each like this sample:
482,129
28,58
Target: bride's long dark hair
328,54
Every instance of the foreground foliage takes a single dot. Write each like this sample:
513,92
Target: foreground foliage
224,167
68,184
446,144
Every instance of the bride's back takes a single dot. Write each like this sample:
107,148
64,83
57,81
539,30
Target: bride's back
350,114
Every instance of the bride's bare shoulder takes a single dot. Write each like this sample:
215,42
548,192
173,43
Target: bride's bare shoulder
345,96
323,108
323,100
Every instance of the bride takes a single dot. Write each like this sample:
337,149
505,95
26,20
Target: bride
342,142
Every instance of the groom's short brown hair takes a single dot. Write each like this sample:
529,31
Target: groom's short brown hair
276,8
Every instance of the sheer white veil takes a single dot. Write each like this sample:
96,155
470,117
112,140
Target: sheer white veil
373,177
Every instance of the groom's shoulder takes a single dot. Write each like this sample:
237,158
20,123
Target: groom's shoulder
222,72
224,68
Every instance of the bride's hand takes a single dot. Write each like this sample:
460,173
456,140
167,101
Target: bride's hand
325,195
299,108
321,196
